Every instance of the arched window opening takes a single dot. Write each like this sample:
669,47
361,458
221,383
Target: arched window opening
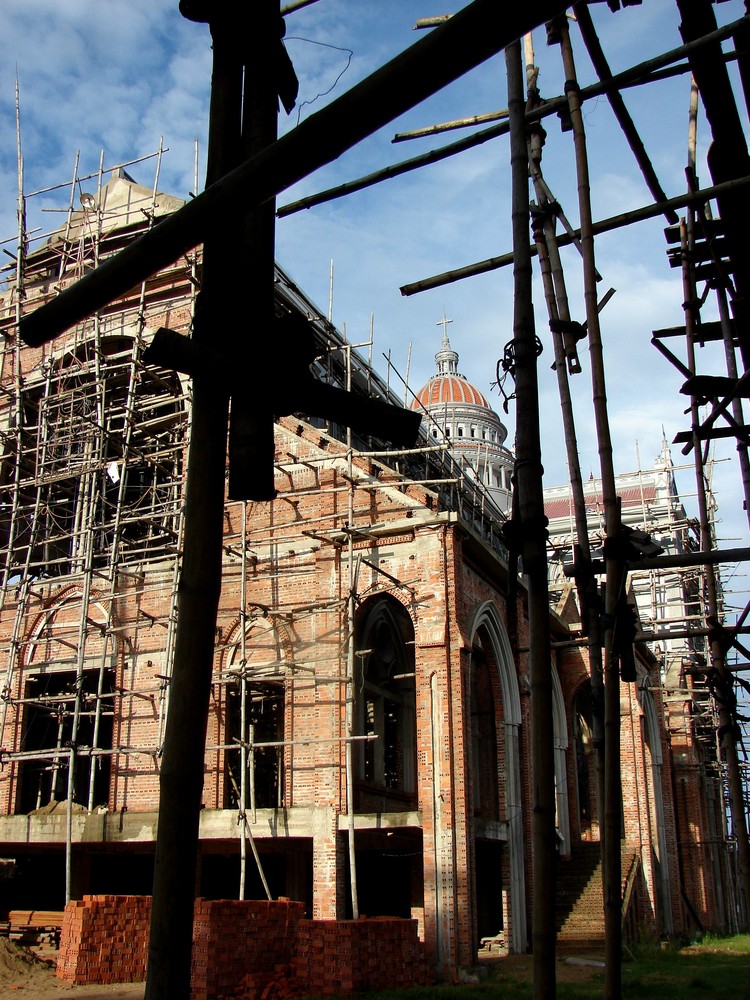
69,700
484,737
385,707
99,462
255,715
48,722
588,812
264,718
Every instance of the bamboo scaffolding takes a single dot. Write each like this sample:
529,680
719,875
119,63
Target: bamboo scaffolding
567,362
34,443
597,228
726,730
528,475
637,75
611,857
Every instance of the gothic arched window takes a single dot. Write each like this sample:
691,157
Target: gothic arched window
385,706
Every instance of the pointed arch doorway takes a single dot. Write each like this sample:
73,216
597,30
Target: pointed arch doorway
495,720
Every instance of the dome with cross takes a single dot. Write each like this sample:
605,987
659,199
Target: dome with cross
459,414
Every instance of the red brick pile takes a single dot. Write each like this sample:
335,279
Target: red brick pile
244,950
339,956
240,946
105,940
276,985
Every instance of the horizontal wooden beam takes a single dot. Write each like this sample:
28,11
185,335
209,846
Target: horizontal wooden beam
470,37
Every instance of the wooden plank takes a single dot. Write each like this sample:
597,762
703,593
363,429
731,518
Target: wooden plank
708,332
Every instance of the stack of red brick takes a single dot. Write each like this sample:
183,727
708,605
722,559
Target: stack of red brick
105,939
339,956
235,941
245,950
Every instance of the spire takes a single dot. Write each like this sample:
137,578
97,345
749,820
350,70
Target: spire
446,358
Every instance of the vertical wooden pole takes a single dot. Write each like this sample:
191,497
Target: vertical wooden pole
528,471
557,304
181,776
553,280
615,568
251,343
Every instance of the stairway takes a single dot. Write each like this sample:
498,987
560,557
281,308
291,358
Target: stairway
579,917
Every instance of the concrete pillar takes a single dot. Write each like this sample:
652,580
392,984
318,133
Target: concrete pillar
329,888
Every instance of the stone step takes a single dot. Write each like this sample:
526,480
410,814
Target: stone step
580,913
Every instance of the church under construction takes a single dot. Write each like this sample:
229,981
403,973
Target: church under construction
292,661
368,746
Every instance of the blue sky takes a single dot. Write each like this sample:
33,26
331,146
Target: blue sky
95,74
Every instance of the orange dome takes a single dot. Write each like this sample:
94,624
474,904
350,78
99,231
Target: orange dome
448,389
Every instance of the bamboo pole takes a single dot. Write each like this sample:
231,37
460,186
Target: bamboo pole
566,360
557,304
242,790
703,558
597,228
181,773
531,527
611,856
599,60
727,722
351,604
642,73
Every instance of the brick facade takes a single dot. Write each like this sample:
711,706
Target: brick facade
442,798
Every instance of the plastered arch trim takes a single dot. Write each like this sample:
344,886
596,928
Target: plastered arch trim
273,623
487,618
559,721
648,707
53,606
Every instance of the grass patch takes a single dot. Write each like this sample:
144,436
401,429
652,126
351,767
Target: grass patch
716,967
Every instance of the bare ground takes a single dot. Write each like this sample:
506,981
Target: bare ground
29,974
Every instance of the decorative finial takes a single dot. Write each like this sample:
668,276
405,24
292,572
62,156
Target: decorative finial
446,358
